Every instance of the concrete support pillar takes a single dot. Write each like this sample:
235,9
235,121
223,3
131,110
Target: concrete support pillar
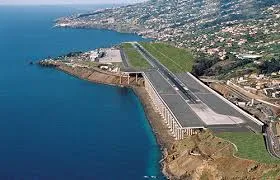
120,79
157,103
136,77
176,133
169,117
180,134
189,132
168,122
165,114
173,127
128,76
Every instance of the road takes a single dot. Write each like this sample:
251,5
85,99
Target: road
169,75
238,94
124,58
272,143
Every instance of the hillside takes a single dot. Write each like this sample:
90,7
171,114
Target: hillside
205,156
214,27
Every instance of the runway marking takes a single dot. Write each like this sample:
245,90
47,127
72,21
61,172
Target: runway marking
169,94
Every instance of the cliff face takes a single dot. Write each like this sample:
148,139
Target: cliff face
205,156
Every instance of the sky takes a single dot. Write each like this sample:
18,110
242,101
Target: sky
41,2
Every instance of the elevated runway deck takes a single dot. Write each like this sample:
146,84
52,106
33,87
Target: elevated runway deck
219,106
178,106
188,104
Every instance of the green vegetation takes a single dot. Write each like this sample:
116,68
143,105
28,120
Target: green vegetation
250,146
270,66
135,59
175,59
88,63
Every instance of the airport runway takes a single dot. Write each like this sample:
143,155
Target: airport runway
215,112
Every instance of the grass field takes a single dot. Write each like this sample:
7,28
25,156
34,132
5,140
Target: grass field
135,59
175,59
250,146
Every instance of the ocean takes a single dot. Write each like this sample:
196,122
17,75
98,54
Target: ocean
55,126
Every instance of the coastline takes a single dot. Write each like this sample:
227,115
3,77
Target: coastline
194,157
164,139
93,75
161,132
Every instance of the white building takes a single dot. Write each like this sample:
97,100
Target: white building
93,55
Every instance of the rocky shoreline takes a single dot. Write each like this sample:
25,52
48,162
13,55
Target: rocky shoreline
164,139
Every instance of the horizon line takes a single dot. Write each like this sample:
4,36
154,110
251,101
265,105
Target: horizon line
19,4
73,3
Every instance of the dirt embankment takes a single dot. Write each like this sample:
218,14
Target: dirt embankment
204,156
94,74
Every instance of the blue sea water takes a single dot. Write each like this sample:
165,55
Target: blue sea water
54,126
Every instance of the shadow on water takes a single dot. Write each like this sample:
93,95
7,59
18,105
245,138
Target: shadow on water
124,91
